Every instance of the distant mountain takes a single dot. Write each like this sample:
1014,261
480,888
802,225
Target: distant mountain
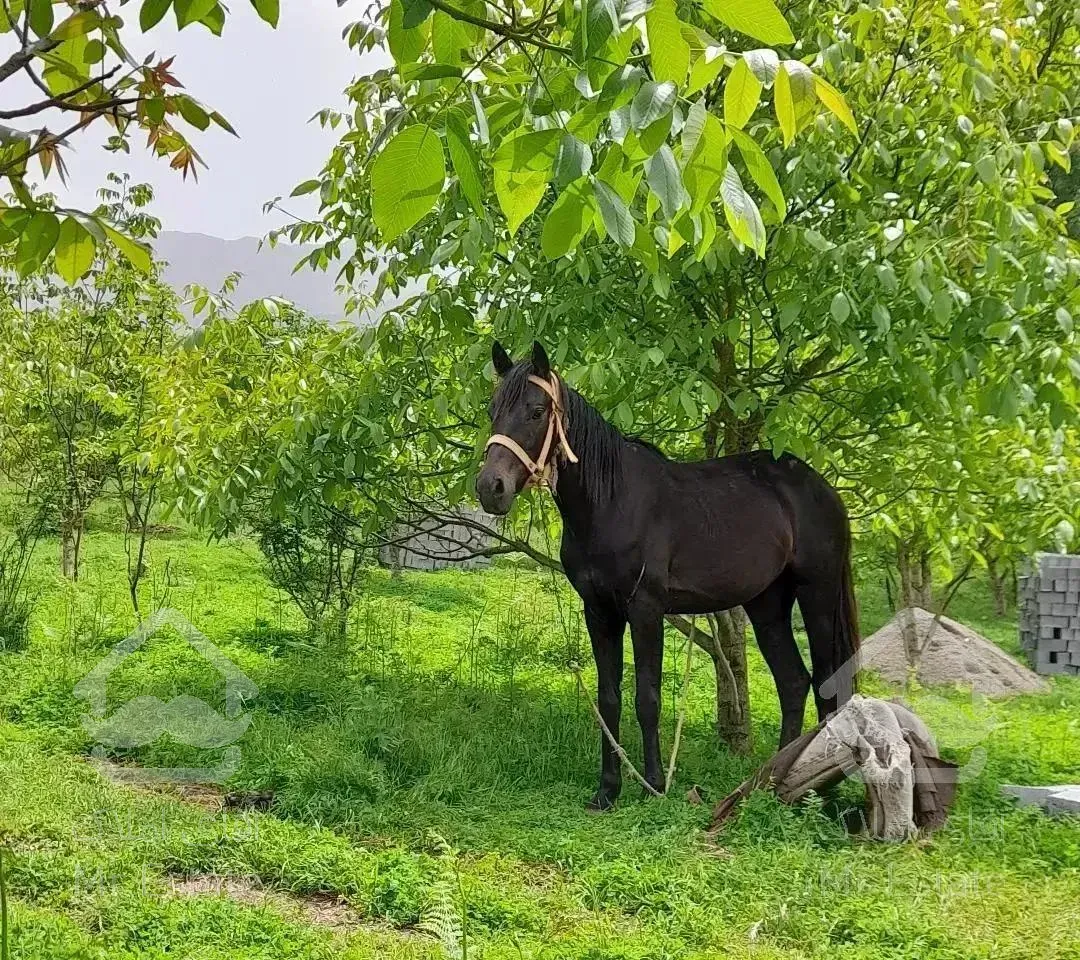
265,271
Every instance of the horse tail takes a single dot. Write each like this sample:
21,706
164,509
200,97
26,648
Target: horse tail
846,628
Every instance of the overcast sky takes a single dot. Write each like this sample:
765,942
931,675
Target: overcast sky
267,83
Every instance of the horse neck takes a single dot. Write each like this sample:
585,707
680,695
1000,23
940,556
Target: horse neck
581,488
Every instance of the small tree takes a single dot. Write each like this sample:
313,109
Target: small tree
72,371
257,431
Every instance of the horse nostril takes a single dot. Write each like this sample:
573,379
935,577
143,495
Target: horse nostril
497,486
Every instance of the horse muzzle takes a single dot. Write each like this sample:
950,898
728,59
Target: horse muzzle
496,489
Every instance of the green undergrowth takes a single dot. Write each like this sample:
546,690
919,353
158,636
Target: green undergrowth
443,745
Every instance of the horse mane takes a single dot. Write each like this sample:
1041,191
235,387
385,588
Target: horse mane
598,444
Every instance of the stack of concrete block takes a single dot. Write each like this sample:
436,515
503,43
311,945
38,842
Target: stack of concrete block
1049,597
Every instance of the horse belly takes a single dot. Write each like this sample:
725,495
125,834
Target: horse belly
705,577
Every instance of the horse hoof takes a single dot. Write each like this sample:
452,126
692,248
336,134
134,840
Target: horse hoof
600,803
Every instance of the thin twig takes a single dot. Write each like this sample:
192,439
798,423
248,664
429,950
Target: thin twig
683,697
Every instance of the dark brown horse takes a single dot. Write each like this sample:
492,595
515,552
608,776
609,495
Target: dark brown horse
644,536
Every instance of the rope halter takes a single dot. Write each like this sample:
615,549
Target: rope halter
541,472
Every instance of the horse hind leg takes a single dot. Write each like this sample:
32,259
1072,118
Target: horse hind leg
819,604
770,615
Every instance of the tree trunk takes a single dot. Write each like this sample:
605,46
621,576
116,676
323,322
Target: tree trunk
909,597
70,546
926,582
998,580
732,692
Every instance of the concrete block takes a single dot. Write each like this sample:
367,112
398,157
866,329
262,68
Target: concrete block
1054,561
1056,646
1034,796
1066,801
1061,610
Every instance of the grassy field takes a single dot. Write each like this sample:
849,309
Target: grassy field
431,772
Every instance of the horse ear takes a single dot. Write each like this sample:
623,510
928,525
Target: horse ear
501,359
540,361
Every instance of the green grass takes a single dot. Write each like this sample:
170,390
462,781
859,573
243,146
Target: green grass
450,712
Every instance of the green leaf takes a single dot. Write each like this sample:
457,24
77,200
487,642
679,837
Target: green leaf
77,25
840,307
741,94
413,72
651,102
464,160
192,112
705,171
519,193
152,12
785,105
74,250
214,21
37,241
223,123
569,220
665,180
41,16
406,180
528,151
759,168
414,12
742,214
644,249
834,100
406,42
760,19
652,136
269,10
693,128
308,186
191,11
573,159
448,39
597,21
669,53
615,214
705,70
137,254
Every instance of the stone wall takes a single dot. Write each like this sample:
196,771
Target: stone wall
435,546
1049,598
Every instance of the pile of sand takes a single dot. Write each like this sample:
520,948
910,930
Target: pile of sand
951,654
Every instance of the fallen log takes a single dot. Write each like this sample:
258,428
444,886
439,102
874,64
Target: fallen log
908,786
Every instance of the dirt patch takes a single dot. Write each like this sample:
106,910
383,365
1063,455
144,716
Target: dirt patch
318,909
208,796
951,654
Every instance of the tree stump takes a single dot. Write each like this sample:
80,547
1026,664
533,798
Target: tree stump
908,785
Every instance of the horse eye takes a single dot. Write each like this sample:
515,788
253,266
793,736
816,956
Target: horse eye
537,413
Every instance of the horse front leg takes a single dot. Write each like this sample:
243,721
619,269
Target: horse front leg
606,628
647,631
